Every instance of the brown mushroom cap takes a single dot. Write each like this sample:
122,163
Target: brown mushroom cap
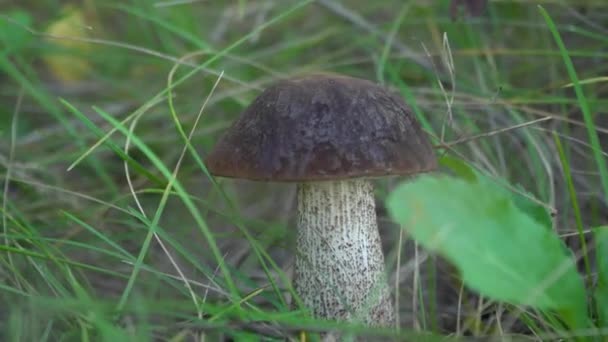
323,127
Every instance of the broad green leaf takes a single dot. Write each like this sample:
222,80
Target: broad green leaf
501,251
459,167
601,290
524,201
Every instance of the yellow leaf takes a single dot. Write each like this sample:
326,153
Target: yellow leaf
68,61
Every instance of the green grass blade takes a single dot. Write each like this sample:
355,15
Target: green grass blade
582,100
601,290
115,148
184,196
573,197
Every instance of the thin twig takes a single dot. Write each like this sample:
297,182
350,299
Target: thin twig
491,133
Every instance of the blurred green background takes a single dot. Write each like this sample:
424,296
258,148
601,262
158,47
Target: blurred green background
103,249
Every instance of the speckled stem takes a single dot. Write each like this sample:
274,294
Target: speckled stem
339,266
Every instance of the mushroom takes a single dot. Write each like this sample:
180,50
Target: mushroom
330,134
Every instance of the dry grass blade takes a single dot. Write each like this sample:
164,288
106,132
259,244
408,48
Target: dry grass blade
7,178
491,133
169,185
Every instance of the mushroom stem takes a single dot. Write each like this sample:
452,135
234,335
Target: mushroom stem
339,265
